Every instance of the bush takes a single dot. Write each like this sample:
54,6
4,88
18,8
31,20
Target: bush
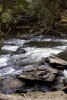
6,16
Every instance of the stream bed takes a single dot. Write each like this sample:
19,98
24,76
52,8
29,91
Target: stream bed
17,54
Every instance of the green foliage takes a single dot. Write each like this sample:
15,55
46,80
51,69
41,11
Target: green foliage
12,8
1,7
6,16
19,5
11,11
47,10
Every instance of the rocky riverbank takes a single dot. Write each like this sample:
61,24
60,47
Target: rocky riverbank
36,68
46,75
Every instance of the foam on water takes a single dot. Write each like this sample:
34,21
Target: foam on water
16,72
65,73
3,60
15,42
10,48
48,39
60,40
6,71
62,48
34,54
37,53
55,40
38,39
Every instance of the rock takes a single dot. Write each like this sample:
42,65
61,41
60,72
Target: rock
10,84
59,83
20,50
41,62
11,97
65,81
41,73
59,63
1,78
33,86
58,86
58,95
24,62
64,89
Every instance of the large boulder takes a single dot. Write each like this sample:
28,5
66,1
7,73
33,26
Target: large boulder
40,73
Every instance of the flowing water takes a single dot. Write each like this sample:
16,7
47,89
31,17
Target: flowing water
13,60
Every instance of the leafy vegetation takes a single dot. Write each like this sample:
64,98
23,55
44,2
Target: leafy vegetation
11,12
49,11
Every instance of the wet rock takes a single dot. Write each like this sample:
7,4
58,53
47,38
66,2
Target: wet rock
33,86
24,62
10,84
40,73
1,78
58,86
41,62
20,50
65,81
59,63
58,83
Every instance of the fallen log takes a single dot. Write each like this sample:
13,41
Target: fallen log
23,27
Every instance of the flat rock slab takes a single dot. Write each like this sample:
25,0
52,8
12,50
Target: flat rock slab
59,95
40,73
56,61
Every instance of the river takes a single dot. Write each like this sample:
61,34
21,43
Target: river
17,54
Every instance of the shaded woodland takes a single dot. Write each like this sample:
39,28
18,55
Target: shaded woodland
33,15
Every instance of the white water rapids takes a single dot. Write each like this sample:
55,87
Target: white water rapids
8,62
